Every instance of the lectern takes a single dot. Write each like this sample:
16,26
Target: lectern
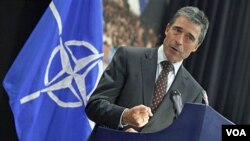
197,122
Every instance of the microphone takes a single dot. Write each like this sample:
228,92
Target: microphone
205,97
175,97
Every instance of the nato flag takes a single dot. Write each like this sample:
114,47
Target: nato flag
56,71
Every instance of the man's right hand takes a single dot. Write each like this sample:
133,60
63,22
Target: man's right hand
137,116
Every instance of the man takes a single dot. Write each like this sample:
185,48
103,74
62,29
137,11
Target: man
124,97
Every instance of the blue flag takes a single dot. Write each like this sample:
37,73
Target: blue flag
56,71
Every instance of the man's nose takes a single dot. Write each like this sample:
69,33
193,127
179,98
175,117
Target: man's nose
179,39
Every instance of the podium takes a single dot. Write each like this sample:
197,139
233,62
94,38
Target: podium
196,122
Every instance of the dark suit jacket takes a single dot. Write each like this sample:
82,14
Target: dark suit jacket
129,81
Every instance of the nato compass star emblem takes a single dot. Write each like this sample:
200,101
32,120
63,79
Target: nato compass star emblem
70,72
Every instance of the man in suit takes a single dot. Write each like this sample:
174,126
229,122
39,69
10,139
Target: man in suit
124,95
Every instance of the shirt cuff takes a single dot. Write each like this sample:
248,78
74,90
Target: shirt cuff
120,124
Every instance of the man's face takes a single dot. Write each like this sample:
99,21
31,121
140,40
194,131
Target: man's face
181,39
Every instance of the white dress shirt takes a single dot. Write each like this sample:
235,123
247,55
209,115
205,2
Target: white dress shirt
172,74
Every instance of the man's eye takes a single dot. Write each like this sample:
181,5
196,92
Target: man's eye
177,30
191,38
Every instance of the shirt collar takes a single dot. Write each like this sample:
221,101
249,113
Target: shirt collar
162,57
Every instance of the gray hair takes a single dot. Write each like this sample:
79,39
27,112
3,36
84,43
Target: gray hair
196,16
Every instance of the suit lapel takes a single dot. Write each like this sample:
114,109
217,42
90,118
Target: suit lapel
179,82
148,65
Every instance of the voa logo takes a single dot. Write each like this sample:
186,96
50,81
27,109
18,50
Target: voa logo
236,132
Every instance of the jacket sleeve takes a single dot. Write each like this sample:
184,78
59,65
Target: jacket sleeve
101,107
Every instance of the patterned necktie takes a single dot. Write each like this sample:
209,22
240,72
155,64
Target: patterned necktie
161,85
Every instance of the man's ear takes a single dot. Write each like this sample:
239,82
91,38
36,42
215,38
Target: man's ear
167,29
